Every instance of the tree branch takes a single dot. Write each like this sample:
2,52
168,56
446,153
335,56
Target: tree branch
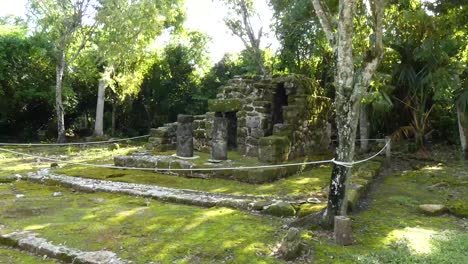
376,52
327,22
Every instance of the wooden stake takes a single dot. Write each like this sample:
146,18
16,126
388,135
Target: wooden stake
343,232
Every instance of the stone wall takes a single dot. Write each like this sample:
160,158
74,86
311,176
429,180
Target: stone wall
292,108
163,138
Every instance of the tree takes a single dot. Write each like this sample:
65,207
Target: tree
427,71
352,78
26,75
65,24
303,45
239,22
126,29
173,84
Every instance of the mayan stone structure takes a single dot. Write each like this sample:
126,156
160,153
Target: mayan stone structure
275,119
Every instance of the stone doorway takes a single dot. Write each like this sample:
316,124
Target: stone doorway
232,129
280,99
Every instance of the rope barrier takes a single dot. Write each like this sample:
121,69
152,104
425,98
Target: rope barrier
340,163
72,143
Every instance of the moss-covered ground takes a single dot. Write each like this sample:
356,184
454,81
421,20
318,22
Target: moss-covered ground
390,230
139,229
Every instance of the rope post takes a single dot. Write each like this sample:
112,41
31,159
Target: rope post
342,232
388,151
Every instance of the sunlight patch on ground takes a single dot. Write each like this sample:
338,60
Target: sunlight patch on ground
433,168
125,214
212,214
418,240
36,227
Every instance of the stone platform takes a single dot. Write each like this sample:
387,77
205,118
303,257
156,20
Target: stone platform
258,175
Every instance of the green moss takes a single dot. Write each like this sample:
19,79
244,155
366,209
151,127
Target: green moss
280,209
307,209
458,208
392,223
224,105
141,230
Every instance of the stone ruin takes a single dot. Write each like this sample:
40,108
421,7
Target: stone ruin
275,119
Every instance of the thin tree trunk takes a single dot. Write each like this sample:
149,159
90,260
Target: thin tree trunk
463,130
86,119
58,100
114,108
364,129
99,123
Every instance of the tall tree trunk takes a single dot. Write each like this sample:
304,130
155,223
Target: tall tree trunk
58,99
364,128
347,111
463,130
99,123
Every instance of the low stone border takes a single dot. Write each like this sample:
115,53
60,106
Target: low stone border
30,241
263,205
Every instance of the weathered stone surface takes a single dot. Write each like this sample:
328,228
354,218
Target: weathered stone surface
219,146
354,193
274,149
226,105
342,231
183,196
281,209
259,205
433,209
184,136
29,241
291,246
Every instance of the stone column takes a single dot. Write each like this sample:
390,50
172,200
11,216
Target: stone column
184,136
219,144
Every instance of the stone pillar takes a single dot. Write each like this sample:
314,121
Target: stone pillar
219,144
184,136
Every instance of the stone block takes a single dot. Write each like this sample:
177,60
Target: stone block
257,133
226,105
158,140
433,209
281,209
200,133
165,147
160,132
253,121
274,149
251,151
265,104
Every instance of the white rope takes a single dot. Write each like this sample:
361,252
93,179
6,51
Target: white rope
341,163
365,139
72,143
